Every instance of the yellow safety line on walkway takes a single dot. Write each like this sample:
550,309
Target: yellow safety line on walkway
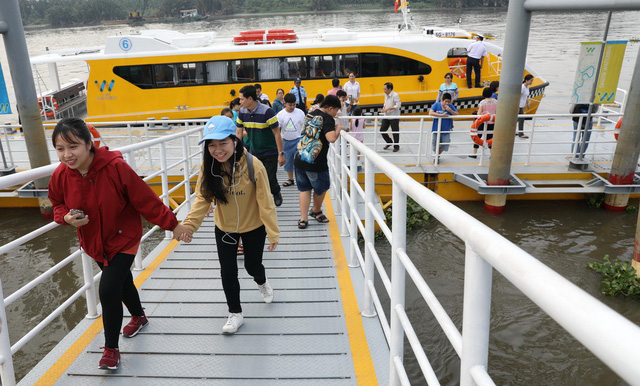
362,362
72,353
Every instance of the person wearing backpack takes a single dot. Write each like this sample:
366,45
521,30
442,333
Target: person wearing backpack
237,183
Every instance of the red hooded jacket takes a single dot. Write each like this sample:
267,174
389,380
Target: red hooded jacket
113,196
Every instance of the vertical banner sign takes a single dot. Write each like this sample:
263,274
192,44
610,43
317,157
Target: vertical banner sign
585,79
5,106
610,71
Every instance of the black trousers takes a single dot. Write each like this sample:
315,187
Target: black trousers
521,121
116,287
270,163
489,134
227,243
395,129
473,64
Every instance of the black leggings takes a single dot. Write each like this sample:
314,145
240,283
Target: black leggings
116,287
227,243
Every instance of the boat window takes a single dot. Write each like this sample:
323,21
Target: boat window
346,64
457,52
242,70
270,69
217,72
191,74
321,66
294,67
166,75
376,64
138,75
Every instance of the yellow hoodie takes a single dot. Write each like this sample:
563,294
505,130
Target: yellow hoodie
255,206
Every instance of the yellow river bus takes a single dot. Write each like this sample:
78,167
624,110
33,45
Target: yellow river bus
162,73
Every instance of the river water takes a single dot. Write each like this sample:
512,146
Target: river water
527,347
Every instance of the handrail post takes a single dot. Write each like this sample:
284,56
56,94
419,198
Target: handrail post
165,180
90,293
398,241
187,170
7,375
419,161
353,204
376,126
475,315
137,260
533,129
343,186
335,176
369,236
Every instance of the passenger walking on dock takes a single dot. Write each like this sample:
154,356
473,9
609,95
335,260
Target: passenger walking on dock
449,87
260,124
235,108
290,120
238,184
96,191
352,88
278,103
442,110
391,107
316,103
487,106
262,98
312,170
344,109
580,126
524,104
335,82
300,93
475,54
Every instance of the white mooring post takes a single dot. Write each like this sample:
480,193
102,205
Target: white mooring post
398,241
7,376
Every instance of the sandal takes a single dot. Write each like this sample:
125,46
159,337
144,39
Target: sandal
302,224
320,217
289,182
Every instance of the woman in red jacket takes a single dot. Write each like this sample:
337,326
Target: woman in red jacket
97,192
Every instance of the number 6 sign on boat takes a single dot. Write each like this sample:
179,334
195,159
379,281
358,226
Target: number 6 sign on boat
125,44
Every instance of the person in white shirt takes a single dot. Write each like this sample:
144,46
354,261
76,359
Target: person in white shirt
391,107
475,53
352,88
524,104
290,120
263,98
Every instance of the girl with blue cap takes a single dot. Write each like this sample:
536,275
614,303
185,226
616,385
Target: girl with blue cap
238,185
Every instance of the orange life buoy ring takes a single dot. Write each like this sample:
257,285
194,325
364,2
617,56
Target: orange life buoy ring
476,125
616,132
95,134
458,67
51,103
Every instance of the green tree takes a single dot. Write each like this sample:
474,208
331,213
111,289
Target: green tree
63,13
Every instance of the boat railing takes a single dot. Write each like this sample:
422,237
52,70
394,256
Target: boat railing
615,108
607,334
184,164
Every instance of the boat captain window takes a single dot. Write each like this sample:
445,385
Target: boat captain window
140,76
457,52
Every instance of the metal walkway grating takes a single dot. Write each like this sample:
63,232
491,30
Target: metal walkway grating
299,339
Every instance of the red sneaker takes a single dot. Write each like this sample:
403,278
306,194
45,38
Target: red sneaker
110,359
134,326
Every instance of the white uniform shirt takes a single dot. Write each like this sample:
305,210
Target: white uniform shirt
352,90
477,50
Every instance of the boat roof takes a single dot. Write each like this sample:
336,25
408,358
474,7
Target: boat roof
169,43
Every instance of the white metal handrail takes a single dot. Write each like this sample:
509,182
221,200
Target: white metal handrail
609,336
7,376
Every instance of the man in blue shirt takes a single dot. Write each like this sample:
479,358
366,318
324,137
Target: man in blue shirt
442,109
300,94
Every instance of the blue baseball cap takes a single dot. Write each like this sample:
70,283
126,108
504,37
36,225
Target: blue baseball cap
218,127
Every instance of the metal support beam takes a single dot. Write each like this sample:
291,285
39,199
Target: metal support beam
580,5
18,57
513,62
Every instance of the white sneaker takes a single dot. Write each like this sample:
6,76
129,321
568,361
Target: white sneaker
233,323
266,291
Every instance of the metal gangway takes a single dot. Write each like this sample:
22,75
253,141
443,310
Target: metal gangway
328,323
